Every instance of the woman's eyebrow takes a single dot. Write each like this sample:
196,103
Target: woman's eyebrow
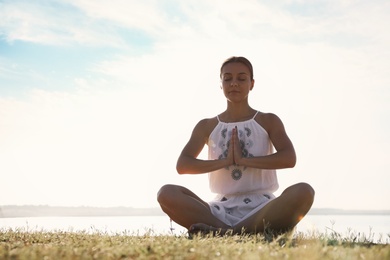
240,73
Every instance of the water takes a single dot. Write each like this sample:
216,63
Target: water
376,227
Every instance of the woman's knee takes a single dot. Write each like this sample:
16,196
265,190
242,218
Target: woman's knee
306,189
302,192
167,193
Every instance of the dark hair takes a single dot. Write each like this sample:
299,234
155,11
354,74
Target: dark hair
240,59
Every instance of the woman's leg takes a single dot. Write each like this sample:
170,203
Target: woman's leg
185,207
281,214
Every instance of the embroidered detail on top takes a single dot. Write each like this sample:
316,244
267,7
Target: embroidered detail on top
236,174
247,200
217,207
245,153
224,199
249,143
240,133
248,131
267,196
223,132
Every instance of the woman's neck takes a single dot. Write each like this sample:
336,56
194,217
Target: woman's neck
235,113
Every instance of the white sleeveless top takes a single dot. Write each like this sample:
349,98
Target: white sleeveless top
254,142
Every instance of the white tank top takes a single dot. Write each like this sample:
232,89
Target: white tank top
254,141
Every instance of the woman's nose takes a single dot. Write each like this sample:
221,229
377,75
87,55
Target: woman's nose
234,83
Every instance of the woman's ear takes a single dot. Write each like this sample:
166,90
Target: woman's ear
253,84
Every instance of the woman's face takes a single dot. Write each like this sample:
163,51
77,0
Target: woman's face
236,81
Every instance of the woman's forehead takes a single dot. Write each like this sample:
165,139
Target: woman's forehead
235,67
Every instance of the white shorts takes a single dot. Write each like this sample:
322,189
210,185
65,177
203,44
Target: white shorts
231,209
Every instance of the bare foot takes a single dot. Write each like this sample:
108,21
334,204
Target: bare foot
204,229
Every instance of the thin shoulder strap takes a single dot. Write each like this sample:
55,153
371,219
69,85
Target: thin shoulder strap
218,118
254,115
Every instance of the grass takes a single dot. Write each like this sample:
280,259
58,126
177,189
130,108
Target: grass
22,244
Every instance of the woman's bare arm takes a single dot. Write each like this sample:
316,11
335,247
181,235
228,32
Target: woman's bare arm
284,157
188,162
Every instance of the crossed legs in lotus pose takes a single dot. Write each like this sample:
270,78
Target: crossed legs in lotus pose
280,215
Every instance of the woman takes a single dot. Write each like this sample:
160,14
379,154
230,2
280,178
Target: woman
241,165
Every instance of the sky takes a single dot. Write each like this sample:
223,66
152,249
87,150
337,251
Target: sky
98,98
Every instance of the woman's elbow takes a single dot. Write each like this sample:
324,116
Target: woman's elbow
288,160
180,168
291,162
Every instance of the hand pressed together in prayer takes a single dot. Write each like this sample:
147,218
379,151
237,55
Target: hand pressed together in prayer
235,150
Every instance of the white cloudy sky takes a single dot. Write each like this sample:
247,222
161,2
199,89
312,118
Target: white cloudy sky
97,98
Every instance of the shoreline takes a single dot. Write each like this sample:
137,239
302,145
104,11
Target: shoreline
10,211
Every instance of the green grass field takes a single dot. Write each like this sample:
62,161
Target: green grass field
21,244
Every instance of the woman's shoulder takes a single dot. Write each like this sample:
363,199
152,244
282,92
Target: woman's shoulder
266,116
268,120
208,123
205,127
